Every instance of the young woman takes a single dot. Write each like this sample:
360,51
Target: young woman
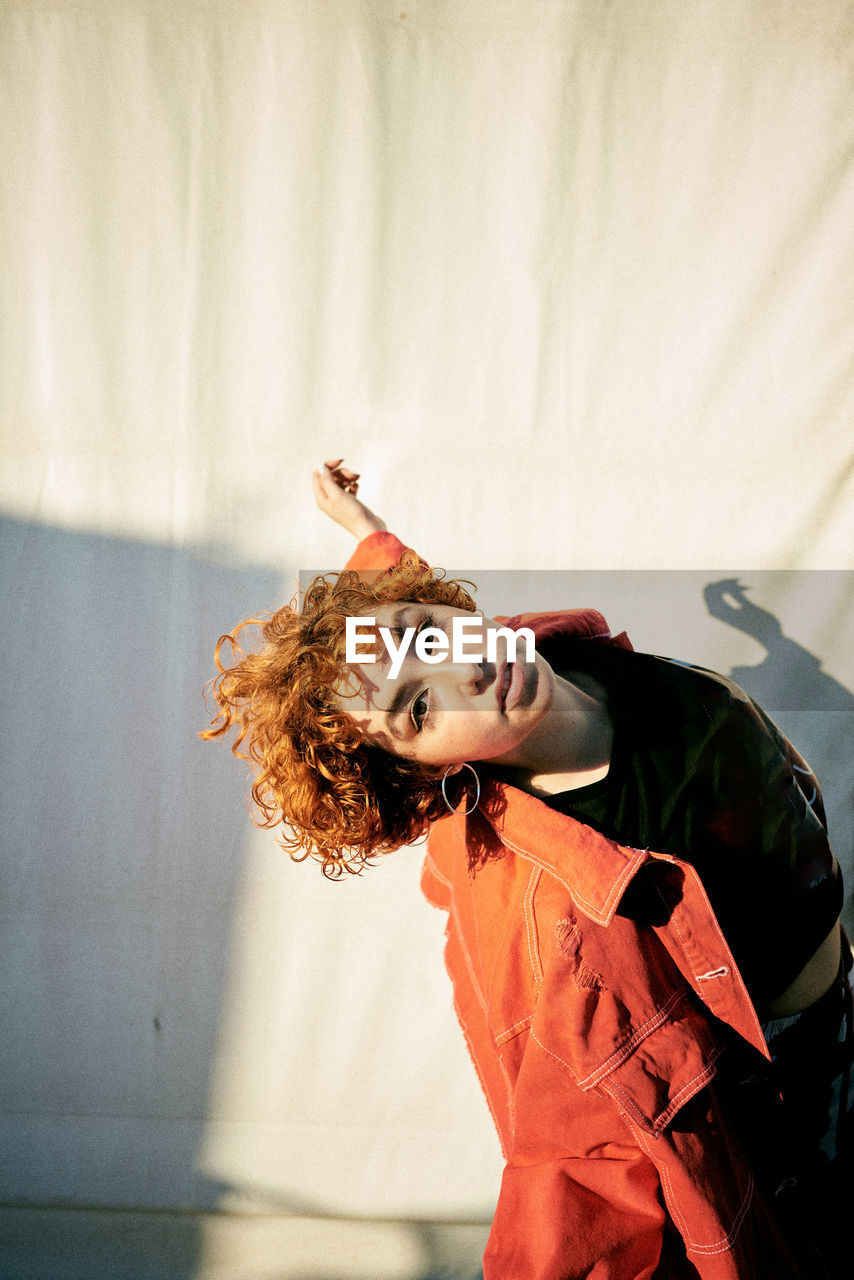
643,930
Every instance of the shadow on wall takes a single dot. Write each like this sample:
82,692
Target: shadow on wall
121,865
814,709
121,857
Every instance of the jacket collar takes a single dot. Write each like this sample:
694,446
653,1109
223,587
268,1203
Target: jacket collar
594,870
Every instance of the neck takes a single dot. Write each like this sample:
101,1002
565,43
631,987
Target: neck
570,748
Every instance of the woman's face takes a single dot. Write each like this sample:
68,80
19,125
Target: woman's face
444,713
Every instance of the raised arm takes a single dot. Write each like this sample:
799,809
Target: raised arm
335,492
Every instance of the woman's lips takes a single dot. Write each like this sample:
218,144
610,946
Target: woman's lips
511,684
502,681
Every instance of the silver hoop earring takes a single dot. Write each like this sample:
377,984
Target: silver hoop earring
465,812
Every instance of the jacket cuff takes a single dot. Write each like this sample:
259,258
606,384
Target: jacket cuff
380,550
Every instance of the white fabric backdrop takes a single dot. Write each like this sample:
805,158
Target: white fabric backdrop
571,283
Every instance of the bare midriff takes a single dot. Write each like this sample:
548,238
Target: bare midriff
812,982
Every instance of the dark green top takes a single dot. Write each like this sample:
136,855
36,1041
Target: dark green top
699,771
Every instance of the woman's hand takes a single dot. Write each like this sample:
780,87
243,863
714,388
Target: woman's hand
335,490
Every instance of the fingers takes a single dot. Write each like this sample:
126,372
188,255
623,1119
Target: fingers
318,483
344,478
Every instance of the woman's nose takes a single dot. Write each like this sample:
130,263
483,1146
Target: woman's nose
467,676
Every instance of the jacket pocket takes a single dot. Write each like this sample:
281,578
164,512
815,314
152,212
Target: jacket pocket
660,1089
652,1079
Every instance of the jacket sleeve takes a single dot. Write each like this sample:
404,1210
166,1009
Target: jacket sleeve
598,1213
583,1217
375,554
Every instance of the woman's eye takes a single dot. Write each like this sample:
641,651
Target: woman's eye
419,710
425,622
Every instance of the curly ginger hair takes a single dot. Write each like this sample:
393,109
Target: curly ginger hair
343,800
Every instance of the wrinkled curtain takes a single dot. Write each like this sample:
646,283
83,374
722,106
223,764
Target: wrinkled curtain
570,283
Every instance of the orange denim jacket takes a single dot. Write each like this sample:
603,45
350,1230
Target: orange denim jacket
591,1039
